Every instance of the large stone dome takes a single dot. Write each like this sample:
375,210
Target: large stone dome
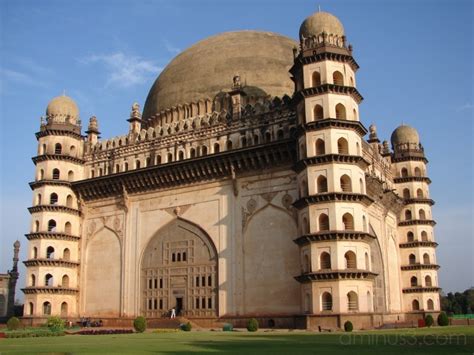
261,59
404,134
62,106
320,22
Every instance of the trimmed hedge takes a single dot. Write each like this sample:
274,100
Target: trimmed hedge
252,325
139,324
104,331
228,327
13,323
429,320
55,324
443,319
348,326
35,334
186,327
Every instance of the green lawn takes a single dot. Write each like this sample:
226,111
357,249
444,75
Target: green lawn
446,340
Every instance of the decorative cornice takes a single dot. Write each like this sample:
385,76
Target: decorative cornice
58,132
325,275
52,236
361,162
326,236
39,183
205,168
409,158
328,89
420,267
34,290
417,244
417,222
333,197
420,289
427,201
54,208
399,180
50,262
62,157
322,54
326,123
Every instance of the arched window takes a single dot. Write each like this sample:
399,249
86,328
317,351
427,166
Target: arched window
92,173
338,78
217,148
67,228
404,172
50,253
318,112
56,174
413,281
361,186
204,150
325,260
407,215
307,264
326,301
424,236
125,166
35,252
369,301
64,309
410,237
243,141
358,148
367,265
47,308
48,280
268,137
184,256
346,184
117,168
320,147
342,146
72,150
31,308
101,171
158,159
406,194
180,155
364,224
229,144
352,301
38,199
426,258
170,158
415,305
41,174
256,139
351,260
417,172
42,149
322,184
354,114
69,201
53,199
323,222
51,225
419,193
316,79
352,81
66,254
58,149
428,282
137,164
192,153
65,281
422,214
37,226
348,221
430,304
341,112
412,259
280,134
148,161
33,281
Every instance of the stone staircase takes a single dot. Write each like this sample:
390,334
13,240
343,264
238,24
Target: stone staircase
167,323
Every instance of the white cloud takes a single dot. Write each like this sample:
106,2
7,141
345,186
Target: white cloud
466,106
124,70
8,75
170,48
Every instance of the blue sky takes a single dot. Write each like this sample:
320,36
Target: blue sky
416,61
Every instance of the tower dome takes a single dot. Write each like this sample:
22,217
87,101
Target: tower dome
404,134
320,22
62,106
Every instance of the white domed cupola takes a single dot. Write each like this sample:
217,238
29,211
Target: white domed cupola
62,109
319,23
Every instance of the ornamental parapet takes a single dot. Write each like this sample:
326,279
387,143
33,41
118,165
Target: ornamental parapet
326,123
50,262
328,275
426,201
62,157
333,197
49,182
35,290
58,129
326,236
328,89
399,180
52,236
420,289
322,54
54,208
361,162
417,244
419,266
417,222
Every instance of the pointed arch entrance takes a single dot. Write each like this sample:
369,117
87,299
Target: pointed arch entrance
179,269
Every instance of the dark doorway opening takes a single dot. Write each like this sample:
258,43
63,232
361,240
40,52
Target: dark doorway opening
179,305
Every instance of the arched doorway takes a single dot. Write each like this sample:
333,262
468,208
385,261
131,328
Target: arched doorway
179,269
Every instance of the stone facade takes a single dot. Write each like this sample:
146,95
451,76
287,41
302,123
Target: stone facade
251,200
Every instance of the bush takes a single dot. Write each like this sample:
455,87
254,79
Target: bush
228,327
429,320
252,325
13,323
443,319
139,324
186,327
348,326
55,324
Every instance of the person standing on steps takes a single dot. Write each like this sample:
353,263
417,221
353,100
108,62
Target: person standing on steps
173,313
